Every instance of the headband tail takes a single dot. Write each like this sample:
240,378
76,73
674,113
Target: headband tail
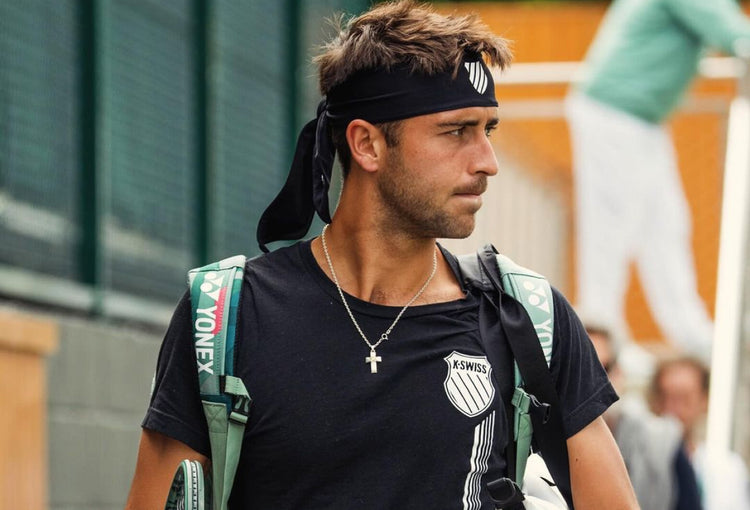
322,165
290,214
305,192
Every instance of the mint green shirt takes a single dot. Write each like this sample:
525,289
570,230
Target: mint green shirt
647,51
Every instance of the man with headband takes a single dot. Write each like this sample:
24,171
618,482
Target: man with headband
346,341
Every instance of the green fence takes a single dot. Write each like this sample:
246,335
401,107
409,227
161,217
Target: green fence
139,138
39,153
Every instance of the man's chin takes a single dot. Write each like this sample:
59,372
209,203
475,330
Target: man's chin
459,230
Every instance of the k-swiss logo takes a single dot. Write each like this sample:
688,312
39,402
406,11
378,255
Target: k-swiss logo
468,383
477,76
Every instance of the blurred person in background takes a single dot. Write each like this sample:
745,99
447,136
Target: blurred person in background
630,205
651,446
679,388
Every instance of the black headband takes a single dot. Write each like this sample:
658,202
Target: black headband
375,96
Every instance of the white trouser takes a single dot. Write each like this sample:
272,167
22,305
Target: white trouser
630,206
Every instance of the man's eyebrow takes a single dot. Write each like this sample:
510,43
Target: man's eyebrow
468,122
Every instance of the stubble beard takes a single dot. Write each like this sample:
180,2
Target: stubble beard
411,207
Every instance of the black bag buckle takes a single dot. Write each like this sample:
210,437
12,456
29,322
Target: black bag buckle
239,407
506,494
541,409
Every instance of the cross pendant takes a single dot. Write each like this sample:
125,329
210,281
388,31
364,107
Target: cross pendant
373,359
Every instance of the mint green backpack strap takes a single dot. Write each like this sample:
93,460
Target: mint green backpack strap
533,291
214,295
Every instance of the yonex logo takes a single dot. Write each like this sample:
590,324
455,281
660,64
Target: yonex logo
477,76
536,296
208,320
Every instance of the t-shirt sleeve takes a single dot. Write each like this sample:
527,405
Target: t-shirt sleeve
582,384
175,408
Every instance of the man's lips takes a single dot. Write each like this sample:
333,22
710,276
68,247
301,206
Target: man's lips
474,190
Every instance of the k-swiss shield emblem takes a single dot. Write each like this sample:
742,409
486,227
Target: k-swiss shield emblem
469,383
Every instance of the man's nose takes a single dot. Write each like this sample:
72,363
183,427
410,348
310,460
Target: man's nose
486,161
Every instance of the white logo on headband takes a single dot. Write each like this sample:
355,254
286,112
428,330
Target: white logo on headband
477,76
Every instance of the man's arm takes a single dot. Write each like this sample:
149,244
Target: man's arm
158,458
719,23
597,472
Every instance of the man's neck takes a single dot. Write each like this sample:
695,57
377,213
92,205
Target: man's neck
385,270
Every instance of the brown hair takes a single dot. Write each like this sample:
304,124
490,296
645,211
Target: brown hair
701,369
608,335
403,33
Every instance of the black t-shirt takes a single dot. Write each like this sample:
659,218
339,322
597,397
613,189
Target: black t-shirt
428,430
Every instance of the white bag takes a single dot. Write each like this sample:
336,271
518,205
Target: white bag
539,494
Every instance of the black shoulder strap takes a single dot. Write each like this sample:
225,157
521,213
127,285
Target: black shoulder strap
526,350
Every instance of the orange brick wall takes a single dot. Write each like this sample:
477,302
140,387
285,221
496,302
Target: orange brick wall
24,342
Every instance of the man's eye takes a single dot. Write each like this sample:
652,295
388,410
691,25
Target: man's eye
457,131
488,130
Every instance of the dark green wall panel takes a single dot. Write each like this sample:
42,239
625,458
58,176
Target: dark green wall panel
39,149
248,119
147,145
141,137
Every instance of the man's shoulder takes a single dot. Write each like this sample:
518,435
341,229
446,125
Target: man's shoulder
561,306
279,269
279,258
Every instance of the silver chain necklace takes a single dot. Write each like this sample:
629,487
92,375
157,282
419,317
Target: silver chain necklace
373,359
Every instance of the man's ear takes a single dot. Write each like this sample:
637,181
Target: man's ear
366,143
704,402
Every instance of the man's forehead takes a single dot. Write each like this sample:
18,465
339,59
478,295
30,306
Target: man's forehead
682,372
